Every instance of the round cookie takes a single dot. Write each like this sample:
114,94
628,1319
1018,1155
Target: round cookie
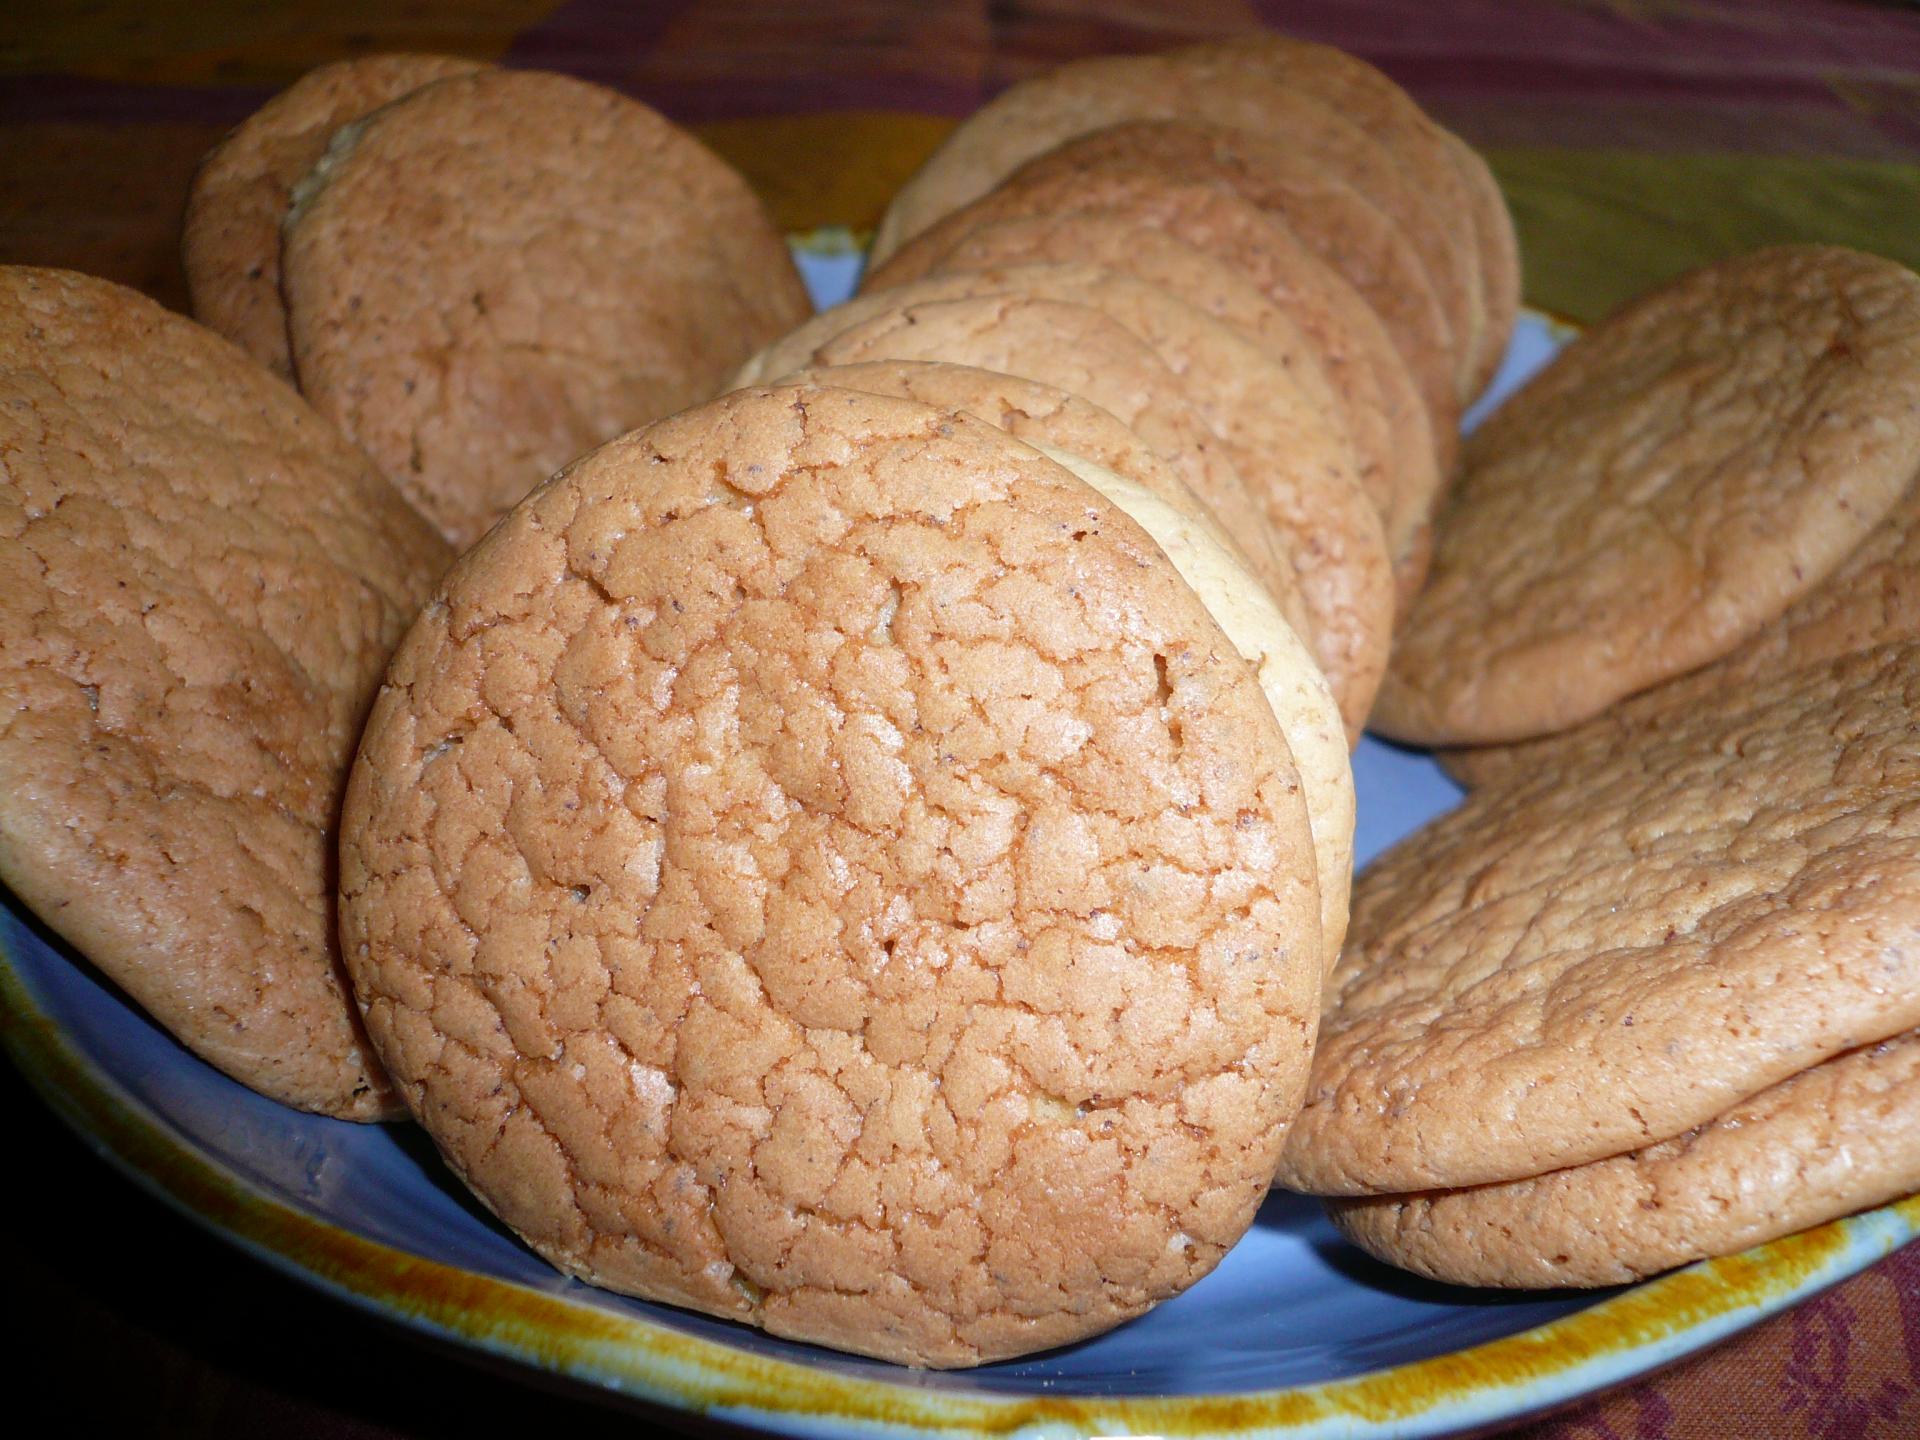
1260,247
495,273
230,241
1584,962
1037,115
1453,181
1071,348
1840,1137
1333,220
1295,461
1676,478
1336,376
1290,677
819,864
200,583
1872,599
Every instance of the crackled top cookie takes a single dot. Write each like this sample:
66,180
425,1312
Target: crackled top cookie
200,583
1840,1137
1872,599
1464,203
818,863
1338,224
1585,961
1039,414
497,272
230,241
1090,95
1295,460
1085,353
1347,391
1354,346
1674,480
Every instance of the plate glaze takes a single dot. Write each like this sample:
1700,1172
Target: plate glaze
1295,1334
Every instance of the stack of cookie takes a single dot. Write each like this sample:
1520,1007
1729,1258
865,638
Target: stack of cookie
1649,994
1261,256
1687,485
479,274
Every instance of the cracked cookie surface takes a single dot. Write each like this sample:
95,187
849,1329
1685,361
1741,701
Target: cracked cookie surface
1675,479
1872,599
494,274
1580,962
1072,348
1295,460
1347,394
1838,1138
200,584
817,863
1471,247
1338,224
1086,96
1355,347
230,240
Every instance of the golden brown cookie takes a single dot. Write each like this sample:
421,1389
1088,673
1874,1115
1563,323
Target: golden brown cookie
495,273
1872,599
200,583
1330,217
1038,414
1107,455
1072,348
1840,1137
1348,391
819,864
1581,963
1357,351
1463,201
1428,195
1675,479
230,243
1037,115
1295,461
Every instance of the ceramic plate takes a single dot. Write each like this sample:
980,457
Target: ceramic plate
1296,1333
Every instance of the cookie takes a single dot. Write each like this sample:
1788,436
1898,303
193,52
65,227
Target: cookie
1464,204
1581,963
1675,479
1072,348
1840,1137
1295,462
1355,348
1348,392
493,274
1084,96
230,242
1290,677
817,863
200,583
1427,195
1338,224
1872,599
